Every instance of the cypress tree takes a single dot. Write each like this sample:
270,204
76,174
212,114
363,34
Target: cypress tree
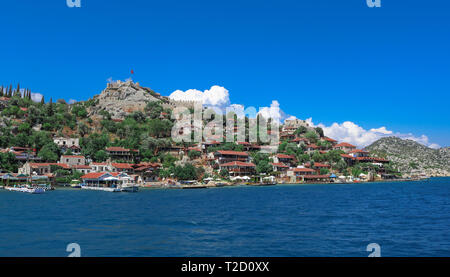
1,91
42,100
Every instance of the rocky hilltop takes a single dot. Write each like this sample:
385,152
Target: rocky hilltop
413,158
121,98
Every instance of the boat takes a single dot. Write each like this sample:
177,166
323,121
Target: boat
27,189
192,185
75,184
128,185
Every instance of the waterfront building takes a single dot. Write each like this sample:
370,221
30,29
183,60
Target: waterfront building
226,156
238,168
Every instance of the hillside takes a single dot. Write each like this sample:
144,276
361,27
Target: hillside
412,157
122,98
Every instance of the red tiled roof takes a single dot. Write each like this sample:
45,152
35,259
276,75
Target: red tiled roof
39,164
34,165
279,165
344,144
329,139
316,176
65,166
313,146
284,156
72,156
93,175
299,139
237,163
304,170
318,165
347,156
121,165
213,142
244,143
234,153
114,148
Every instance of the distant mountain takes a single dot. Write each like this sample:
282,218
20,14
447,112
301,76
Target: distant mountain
412,157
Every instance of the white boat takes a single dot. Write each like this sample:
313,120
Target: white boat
32,190
128,185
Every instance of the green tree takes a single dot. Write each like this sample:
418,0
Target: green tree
49,152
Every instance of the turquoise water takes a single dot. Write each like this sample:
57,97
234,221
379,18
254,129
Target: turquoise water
404,218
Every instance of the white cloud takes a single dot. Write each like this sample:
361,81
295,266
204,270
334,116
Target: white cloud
381,130
355,134
215,96
291,118
273,111
36,97
72,101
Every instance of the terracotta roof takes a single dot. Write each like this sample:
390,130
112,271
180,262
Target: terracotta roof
244,143
121,165
329,139
316,176
235,153
303,170
34,165
279,165
347,156
318,165
237,163
65,166
284,156
213,142
115,148
344,144
72,156
299,139
313,146
93,175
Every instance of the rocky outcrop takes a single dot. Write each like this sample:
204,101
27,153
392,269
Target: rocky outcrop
411,157
121,98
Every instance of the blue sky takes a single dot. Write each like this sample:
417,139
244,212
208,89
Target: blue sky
334,61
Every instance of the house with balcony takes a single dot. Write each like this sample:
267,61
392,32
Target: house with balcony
226,156
238,168
344,146
120,153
